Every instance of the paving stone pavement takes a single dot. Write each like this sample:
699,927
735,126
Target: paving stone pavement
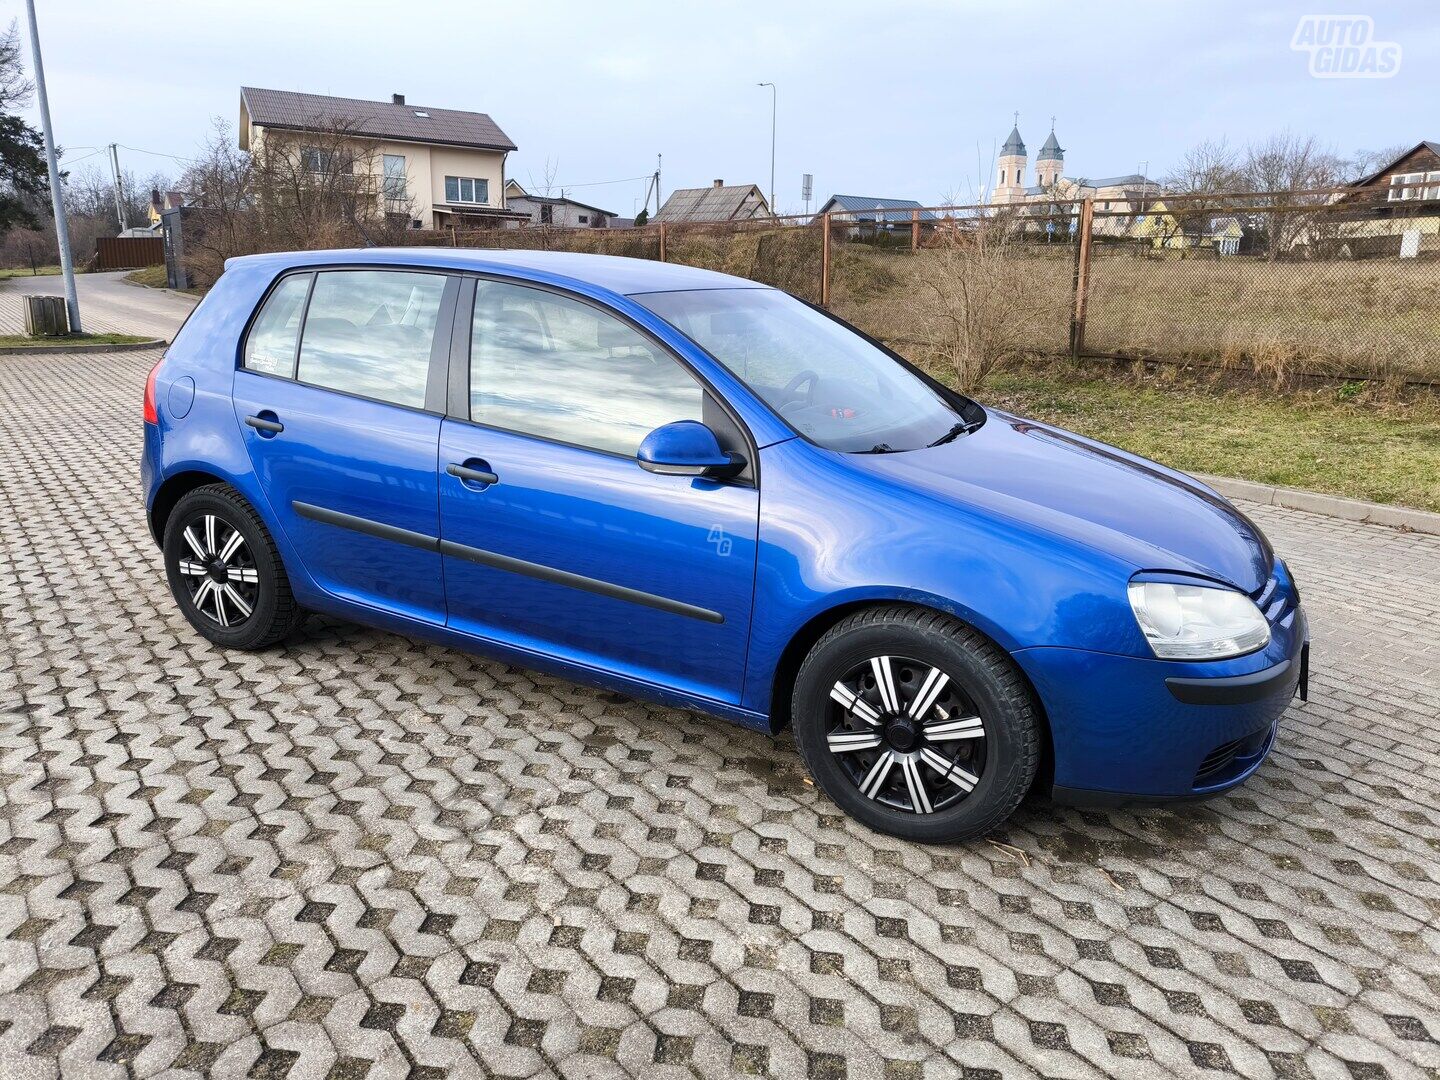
362,856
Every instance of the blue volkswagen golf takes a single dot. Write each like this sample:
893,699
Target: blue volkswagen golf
702,491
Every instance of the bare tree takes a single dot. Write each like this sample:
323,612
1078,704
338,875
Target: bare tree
1365,162
295,191
978,305
1290,168
1209,168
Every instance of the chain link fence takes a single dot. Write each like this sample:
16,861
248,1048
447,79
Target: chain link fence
1333,283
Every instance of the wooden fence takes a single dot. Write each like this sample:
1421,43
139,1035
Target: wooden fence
128,252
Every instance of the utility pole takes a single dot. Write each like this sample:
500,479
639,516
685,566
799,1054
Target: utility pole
62,228
774,103
119,191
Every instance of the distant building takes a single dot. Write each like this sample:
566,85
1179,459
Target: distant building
1125,193
872,209
442,166
160,201
866,215
560,211
1396,209
718,202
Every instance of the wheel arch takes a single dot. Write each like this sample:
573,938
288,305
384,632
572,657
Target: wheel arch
804,639
171,490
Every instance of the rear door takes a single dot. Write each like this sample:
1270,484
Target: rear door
339,395
553,536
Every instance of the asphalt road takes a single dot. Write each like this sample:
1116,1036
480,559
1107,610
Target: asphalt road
108,304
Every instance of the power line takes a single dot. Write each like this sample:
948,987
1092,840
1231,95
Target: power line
602,183
157,153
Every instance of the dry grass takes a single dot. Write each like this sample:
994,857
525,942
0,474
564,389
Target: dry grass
1373,317
1368,318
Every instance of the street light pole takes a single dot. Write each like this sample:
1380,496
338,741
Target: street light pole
62,228
774,103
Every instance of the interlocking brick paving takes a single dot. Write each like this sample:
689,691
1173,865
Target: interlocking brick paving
359,856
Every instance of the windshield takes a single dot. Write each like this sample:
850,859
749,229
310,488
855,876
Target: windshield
828,382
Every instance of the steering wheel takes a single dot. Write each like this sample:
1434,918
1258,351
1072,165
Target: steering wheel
792,388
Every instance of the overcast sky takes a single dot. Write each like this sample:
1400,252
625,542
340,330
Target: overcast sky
909,104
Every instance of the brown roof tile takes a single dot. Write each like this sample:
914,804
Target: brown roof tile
376,119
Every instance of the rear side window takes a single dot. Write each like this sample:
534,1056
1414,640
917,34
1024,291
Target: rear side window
547,365
369,332
270,348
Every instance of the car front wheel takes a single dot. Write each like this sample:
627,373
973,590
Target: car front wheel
916,725
224,571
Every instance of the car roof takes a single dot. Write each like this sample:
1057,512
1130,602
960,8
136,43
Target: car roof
613,272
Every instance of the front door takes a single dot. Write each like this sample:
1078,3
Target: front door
331,398
553,537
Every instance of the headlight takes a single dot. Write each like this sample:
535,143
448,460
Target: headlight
1193,622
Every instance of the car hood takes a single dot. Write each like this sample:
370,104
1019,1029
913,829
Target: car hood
1143,513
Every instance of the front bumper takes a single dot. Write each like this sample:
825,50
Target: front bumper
1130,729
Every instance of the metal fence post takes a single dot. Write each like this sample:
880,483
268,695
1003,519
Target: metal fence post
825,260
1082,280
662,241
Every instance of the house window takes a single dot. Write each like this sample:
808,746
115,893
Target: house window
466,189
395,178
584,219
314,159
547,213
1400,192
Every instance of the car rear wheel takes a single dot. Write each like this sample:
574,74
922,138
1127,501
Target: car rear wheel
224,571
916,725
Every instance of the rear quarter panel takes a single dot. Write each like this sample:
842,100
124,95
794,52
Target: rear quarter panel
207,439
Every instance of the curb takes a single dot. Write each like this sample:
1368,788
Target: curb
83,347
1396,517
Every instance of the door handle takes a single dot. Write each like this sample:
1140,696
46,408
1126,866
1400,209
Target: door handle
260,423
473,476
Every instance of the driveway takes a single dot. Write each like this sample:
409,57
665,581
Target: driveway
108,305
360,855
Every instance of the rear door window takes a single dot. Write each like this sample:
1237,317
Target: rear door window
369,332
270,348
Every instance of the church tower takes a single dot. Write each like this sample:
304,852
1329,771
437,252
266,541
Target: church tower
1010,180
1050,165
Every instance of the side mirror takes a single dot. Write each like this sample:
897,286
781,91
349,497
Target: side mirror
687,448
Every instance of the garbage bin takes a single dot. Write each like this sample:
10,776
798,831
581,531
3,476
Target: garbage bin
46,316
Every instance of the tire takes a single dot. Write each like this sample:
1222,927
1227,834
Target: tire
981,724
245,601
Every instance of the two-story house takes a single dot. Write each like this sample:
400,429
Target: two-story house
1395,209
443,166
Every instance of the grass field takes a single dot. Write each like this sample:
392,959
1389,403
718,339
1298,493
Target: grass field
1378,318
153,276
40,271
1338,438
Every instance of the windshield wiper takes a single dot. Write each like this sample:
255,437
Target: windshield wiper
964,427
880,448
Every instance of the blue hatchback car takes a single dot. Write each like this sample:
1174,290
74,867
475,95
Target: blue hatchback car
700,490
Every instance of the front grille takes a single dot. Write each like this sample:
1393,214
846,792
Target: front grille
1217,761
1231,758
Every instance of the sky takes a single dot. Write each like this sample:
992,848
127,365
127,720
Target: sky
911,104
